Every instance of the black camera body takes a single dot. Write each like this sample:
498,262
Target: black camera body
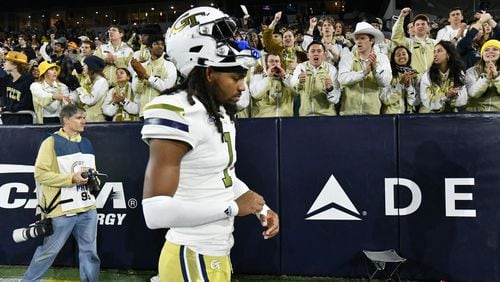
40,228
92,182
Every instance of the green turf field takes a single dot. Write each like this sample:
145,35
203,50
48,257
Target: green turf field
13,273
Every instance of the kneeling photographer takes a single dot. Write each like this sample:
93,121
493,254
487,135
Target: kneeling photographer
64,172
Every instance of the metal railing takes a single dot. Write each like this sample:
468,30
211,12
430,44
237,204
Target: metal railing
23,112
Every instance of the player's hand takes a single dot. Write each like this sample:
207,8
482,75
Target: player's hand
272,222
250,202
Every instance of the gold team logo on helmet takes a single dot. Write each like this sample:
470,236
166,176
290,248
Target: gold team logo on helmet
186,20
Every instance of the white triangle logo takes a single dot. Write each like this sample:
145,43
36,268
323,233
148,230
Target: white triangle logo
332,192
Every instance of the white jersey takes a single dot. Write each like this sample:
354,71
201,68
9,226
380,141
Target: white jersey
447,33
207,171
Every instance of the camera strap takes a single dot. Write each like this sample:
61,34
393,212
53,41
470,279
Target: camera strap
53,205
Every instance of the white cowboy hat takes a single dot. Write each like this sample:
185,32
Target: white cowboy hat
366,28
83,37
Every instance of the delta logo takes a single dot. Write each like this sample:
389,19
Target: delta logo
332,203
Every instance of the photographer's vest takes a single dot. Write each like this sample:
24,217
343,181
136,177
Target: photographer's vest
74,157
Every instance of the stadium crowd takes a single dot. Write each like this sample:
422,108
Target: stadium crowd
323,68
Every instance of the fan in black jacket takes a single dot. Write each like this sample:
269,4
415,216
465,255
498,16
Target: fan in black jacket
17,95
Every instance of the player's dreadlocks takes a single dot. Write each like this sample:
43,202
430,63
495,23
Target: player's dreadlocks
197,85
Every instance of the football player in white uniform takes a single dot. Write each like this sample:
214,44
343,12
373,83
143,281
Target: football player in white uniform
190,184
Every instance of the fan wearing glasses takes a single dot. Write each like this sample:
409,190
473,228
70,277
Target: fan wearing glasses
116,53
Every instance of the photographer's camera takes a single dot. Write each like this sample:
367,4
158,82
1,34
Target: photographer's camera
40,228
92,182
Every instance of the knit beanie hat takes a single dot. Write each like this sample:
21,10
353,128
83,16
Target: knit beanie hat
489,43
94,63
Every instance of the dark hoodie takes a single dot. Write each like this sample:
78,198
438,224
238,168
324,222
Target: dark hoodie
17,98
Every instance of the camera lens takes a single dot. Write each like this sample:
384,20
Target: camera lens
39,228
18,235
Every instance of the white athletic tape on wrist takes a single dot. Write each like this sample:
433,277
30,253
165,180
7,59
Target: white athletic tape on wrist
264,211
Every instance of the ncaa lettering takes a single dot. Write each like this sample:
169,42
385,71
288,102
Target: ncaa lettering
113,190
9,199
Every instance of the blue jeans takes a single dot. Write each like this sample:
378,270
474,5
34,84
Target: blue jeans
83,226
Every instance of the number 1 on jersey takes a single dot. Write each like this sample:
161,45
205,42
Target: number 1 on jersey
228,181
